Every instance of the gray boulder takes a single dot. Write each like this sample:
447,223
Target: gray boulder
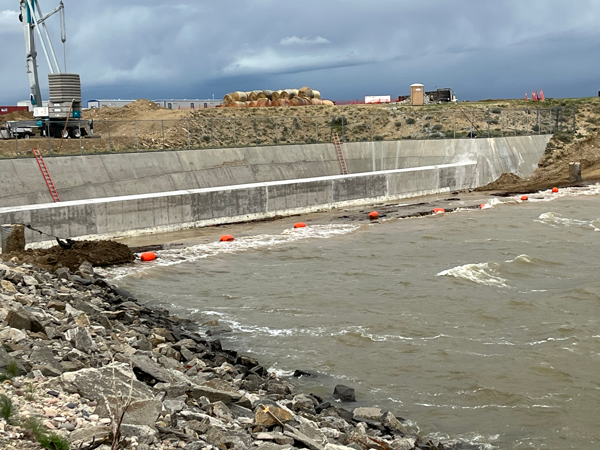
81,339
22,320
152,369
115,379
214,395
344,393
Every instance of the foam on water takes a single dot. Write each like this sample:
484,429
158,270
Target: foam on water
477,273
556,220
548,195
280,372
242,244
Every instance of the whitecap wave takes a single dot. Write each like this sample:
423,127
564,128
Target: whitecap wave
524,259
477,273
556,220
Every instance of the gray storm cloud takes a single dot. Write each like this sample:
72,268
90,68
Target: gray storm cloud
344,48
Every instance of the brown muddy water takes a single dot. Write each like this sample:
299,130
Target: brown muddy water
477,325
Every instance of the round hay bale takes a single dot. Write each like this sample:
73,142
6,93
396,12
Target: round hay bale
305,92
316,101
254,96
239,96
284,102
275,95
252,104
228,99
266,94
263,102
291,93
297,101
327,103
238,104
316,94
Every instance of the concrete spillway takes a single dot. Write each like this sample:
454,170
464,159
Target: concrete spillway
116,194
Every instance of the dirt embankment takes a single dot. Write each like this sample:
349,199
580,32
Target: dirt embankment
97,253
17,115
553,168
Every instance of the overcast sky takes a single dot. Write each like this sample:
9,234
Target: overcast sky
345,48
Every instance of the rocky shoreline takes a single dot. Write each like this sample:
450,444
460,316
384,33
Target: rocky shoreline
95,369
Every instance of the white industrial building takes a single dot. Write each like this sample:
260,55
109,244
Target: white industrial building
165,103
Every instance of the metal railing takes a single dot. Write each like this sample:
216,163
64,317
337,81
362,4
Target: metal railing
116,136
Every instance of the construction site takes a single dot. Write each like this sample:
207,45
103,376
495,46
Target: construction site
136,186
297,127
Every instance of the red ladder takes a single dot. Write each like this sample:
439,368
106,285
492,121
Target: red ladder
46,174
340,154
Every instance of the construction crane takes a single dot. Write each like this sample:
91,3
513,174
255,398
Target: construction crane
35,22
62,117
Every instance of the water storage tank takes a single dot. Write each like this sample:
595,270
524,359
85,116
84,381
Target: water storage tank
417,92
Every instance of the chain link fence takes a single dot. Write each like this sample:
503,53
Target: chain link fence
206,133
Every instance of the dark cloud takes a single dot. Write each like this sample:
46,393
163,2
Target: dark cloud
344,48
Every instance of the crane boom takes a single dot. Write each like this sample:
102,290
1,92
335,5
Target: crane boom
33,19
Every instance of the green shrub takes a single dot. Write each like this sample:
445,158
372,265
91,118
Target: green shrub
437,127
12,370
48,441
53,442
338,121
410,121
496,111
564,137
8,410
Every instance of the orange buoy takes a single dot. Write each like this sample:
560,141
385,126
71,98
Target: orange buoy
373,215
483,205
148,256
227,238
439,210
555,190
524,198
299,225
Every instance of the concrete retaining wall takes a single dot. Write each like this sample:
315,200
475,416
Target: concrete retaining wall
518,155
156,212
112,175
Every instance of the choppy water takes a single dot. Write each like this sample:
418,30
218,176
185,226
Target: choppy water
477,325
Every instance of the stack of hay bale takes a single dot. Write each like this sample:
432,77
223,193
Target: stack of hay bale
286,97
